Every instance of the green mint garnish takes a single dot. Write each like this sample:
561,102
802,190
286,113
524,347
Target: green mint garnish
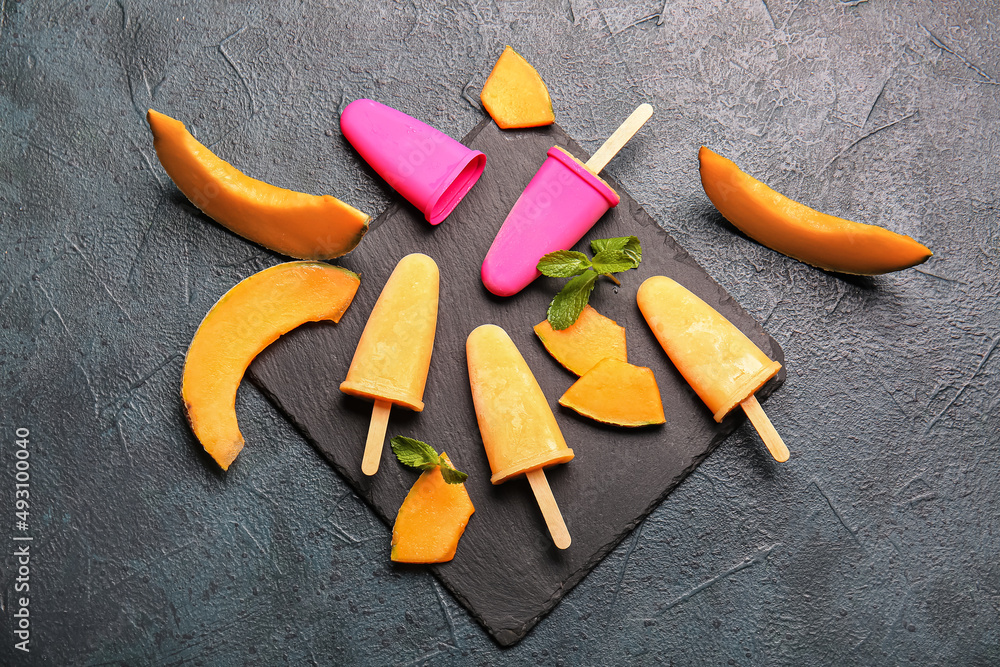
414,453
451,475
569,303
417,454
563,264
628,244
611,256
612,261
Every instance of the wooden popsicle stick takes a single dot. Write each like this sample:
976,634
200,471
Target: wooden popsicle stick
617,141
765,429
376,437
550,510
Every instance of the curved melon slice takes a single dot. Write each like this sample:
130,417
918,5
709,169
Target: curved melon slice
803,233
616,392
585,342
248,318
431,519
514,94
292,223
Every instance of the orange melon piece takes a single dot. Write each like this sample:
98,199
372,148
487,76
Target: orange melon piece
431,519
803,233
248,318
292,223
514,95
585,342
616,392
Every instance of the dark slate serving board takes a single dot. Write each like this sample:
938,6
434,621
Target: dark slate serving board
507,573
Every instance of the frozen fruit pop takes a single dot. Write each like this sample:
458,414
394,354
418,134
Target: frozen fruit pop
519,431
561,203
392,358
721,364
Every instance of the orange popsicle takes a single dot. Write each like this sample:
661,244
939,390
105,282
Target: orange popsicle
393,356
519,431
721,364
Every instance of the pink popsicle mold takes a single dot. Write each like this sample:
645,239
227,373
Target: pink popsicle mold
561,203
429,168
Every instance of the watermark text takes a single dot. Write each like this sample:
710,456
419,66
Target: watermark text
22,540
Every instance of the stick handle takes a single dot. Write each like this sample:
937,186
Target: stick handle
617,141
765,429
376,437
550,510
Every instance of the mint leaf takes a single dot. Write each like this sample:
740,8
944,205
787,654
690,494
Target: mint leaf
563,264
613,261
569,303
629,245
613,255
597,246
414,453
451,476
634,250
417,454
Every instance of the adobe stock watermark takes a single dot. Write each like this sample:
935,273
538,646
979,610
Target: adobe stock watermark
21,619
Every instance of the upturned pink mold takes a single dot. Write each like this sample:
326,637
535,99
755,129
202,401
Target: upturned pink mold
429,168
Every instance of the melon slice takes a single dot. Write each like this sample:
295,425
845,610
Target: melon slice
585,342
616,392
431,519
248,318
514,95
292,223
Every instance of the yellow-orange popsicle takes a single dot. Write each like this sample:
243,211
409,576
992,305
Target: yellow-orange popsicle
394,353
722,365
519,431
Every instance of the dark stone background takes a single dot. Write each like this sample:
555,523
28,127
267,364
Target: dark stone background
875,544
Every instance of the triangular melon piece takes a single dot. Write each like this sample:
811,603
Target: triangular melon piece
585,342
514,94
431,519
616,392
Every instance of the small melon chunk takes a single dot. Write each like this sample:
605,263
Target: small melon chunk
585,342
616,392
514,95
431,519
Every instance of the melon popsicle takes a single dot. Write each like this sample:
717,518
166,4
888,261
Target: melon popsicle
393,356
563,200
519,431
722,365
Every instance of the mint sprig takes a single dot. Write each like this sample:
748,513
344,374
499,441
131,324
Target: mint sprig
627,244
452,476
418,454
564,263
571,300
611,256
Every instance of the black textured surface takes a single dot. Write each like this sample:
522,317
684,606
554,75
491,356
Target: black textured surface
507,572
874,545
